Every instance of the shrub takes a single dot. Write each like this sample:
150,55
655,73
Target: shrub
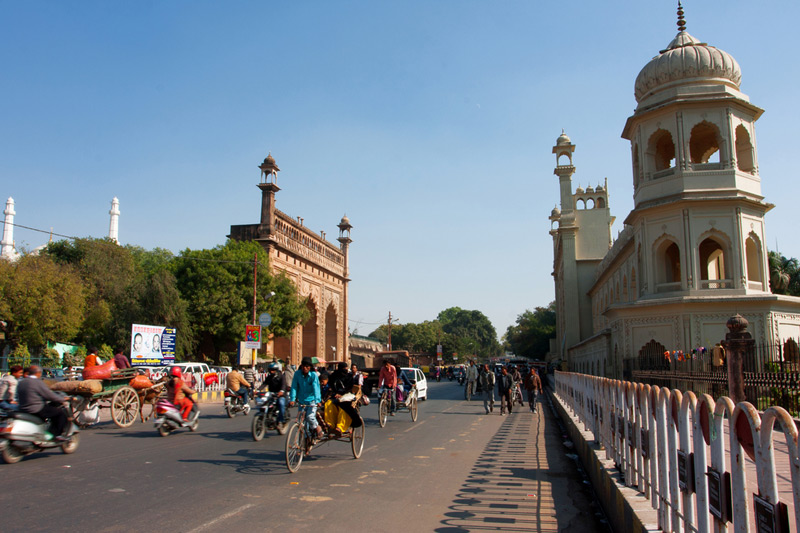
20,356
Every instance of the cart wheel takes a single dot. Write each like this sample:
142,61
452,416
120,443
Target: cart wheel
125,407
413,408
258,428
295,448
383,412
357,440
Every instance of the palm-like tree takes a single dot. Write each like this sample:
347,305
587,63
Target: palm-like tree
784,274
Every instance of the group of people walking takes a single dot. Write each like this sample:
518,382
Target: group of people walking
506,380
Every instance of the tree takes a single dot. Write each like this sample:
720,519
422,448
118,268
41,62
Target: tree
784,274
44,301
20,356
530,336
217,285
468,333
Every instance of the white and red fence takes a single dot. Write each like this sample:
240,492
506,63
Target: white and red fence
705,465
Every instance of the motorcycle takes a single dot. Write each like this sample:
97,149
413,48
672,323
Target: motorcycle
169,418
266,416
461,378
22,434
234,404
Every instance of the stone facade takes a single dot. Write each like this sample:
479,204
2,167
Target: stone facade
692,251
318,268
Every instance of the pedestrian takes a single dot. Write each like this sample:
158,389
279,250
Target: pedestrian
120,360
249,373
534,386
472,377
487,384
505,389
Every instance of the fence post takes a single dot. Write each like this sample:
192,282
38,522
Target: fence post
737,343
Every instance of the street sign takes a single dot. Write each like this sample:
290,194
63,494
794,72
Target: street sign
265,319
252,337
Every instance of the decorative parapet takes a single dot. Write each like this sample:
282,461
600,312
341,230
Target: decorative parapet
623,239
295,237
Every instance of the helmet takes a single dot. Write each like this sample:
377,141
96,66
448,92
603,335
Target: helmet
274,366
175,371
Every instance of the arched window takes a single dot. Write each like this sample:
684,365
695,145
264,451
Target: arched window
661,151
744,150
590,203
752,251
668,266
580,204
704,143
791,353
560,161
651,356
712,265
601,203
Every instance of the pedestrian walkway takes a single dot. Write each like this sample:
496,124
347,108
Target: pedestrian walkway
525,480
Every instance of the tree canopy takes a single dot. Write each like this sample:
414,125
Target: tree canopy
784,274
530,336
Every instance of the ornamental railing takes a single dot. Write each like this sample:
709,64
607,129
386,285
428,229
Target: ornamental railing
704,464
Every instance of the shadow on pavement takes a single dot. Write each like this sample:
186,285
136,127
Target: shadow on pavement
266,462
523,482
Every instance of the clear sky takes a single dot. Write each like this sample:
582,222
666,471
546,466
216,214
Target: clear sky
429,123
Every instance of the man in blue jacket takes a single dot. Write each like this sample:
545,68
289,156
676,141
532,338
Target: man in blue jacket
306,392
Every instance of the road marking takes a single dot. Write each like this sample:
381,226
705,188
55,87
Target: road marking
413,427
223,517
339,485
439,448
117,490
421,457
316,498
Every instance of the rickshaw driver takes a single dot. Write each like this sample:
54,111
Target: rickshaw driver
306,391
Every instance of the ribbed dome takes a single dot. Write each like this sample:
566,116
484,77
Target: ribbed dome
556,212
589,189
563,139
687,59
579,190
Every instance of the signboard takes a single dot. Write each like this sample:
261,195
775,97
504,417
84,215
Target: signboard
252,337
265,319
719,494
686,471
152,345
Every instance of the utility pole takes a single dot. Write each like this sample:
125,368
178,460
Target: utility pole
255,301
390,331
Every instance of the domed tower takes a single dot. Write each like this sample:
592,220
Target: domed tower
697,191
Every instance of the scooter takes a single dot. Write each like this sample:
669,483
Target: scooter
234,404
22,434
169,418
266,416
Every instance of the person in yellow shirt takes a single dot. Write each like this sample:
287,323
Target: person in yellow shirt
236,383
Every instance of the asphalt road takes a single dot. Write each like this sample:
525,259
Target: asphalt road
455,469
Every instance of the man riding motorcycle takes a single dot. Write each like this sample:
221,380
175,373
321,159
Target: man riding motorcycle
277,384
37,399
236,383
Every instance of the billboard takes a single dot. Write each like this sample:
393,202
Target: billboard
152,345
252,337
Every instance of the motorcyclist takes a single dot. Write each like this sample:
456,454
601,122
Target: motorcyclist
37,399
276,383
179,394
236,383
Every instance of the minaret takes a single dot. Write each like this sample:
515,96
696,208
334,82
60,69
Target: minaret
345,240
113,225
7,251
269,186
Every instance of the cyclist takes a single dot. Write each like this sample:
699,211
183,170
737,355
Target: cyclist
306,391
388,378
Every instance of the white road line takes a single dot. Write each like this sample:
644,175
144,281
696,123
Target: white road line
413,427
223,517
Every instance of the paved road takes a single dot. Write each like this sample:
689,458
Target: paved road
455,469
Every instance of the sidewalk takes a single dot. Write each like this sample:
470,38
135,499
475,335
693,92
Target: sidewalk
525,480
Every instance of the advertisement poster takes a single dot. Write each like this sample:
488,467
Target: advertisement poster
252,337
152,345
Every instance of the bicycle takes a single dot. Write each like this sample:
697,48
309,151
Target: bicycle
411,404
301,439
517,397
469,390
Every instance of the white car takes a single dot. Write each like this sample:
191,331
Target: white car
415,374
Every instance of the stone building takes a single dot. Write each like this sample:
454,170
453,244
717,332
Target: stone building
318,268
693,249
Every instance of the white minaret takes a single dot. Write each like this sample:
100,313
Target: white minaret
8,251
113,225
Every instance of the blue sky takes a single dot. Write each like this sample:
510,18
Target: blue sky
429,123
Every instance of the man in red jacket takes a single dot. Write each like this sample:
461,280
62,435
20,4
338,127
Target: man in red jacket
388,378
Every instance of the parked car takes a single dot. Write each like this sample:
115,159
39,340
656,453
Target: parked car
221,369
54,374
415,374
193,368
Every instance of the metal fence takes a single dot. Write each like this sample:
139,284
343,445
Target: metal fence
687,453
771,372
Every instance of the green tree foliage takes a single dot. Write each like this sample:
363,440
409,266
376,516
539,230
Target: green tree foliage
530,336
51,358
20,356
218,287
784,274
42,300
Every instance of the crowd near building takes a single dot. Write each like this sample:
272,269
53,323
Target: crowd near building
692,252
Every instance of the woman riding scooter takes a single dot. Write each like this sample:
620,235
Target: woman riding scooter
179,394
